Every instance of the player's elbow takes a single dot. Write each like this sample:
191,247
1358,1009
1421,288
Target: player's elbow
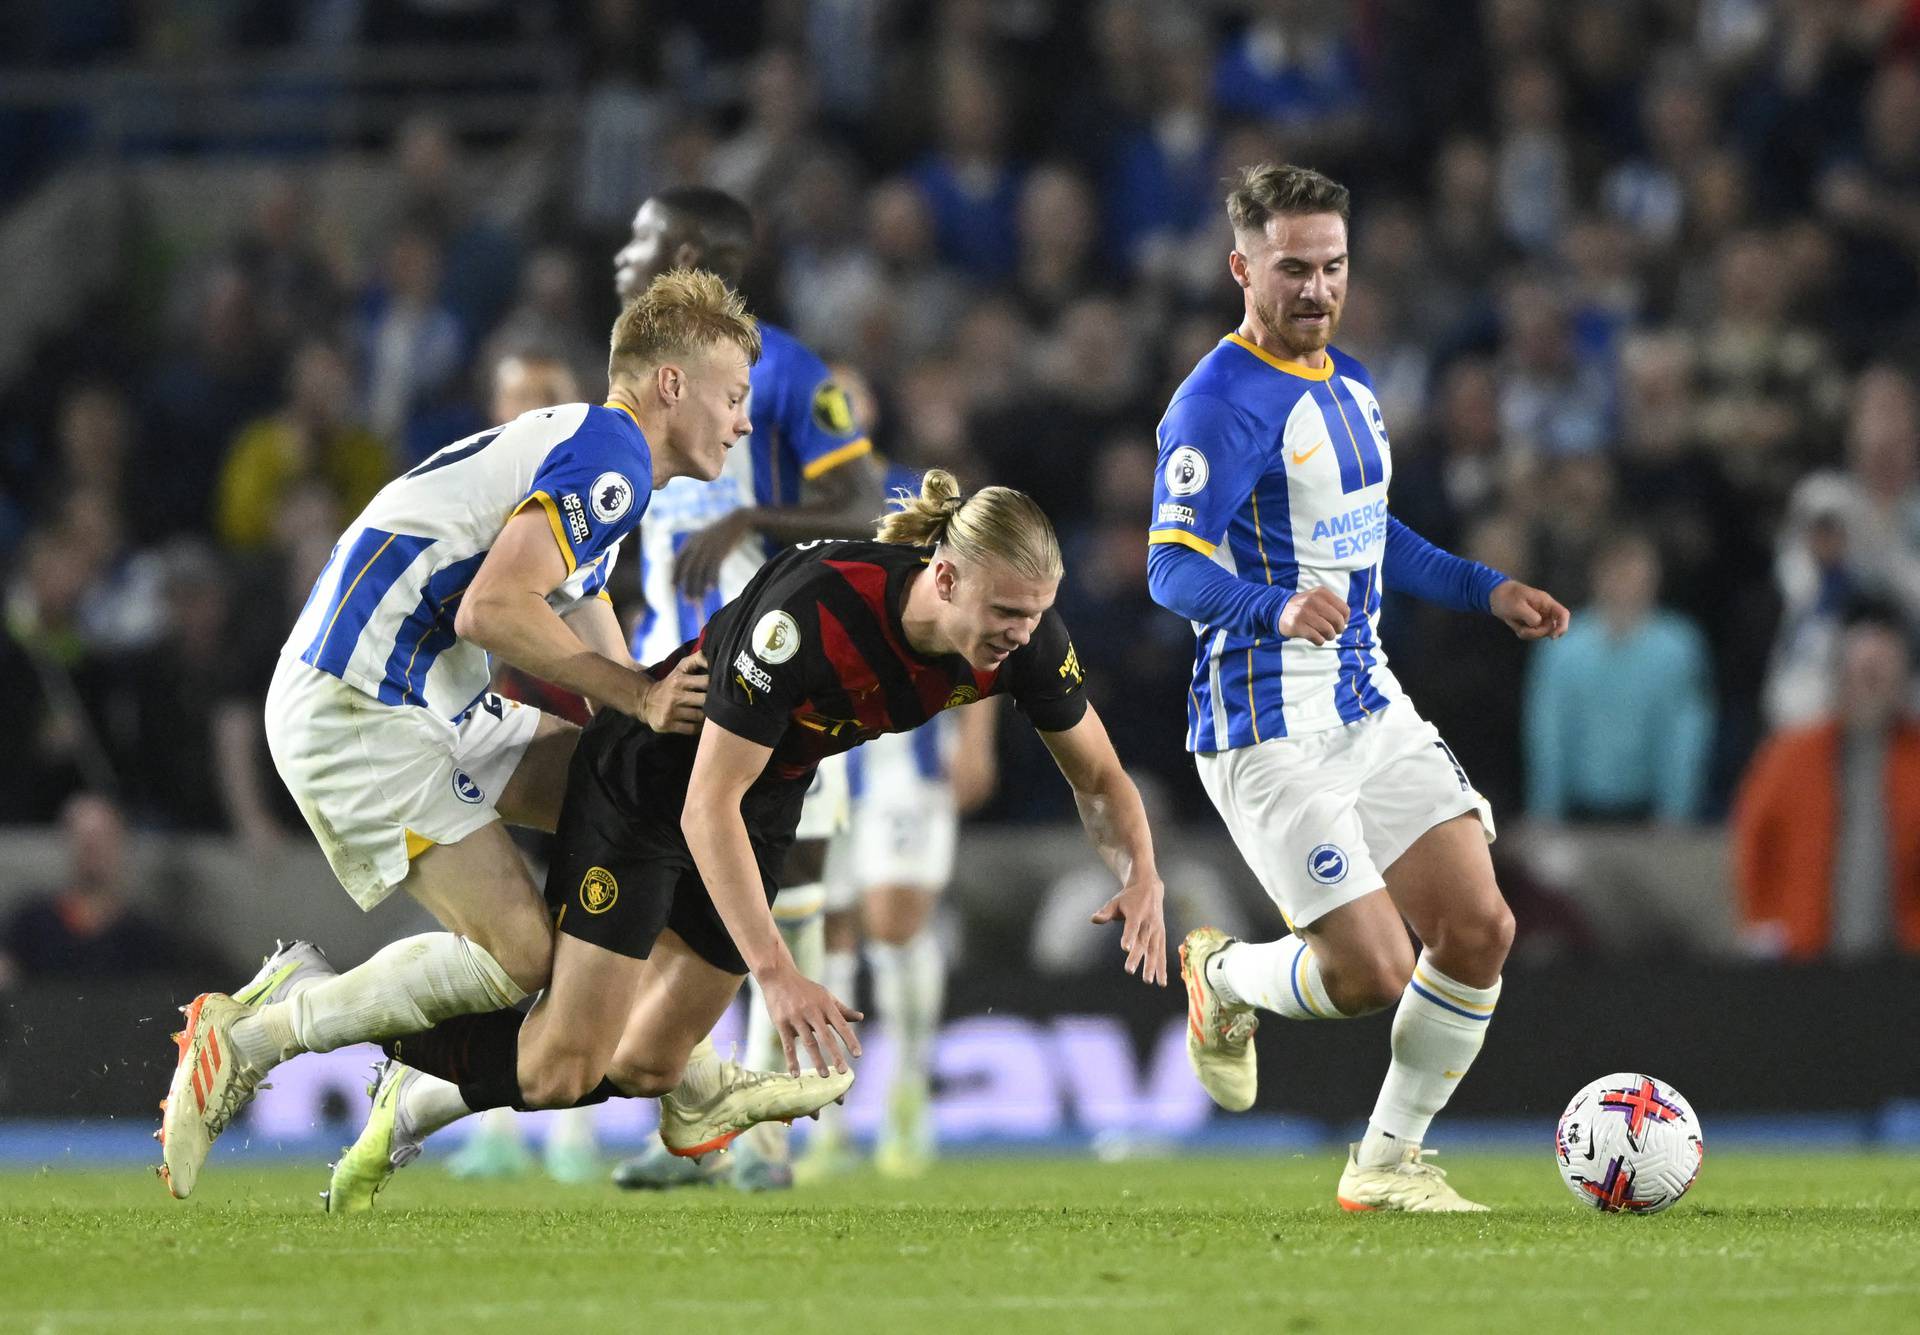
1162,561
696,818
477,618
470,621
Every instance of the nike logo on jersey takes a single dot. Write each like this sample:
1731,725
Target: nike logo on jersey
1300,458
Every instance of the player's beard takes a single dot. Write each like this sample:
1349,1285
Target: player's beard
1276,324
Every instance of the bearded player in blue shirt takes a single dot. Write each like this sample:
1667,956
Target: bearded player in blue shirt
1272,535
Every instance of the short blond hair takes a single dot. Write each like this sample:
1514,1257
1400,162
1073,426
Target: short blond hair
995,524
681,312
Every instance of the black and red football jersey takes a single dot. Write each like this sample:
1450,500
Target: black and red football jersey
811,658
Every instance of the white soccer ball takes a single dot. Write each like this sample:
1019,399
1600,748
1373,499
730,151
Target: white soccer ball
1629,1142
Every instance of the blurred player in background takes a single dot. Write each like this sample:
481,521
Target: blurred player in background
885,875
381,723
1271,534
907,792
806,472
524,382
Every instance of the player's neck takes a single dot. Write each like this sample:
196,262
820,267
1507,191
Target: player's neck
1269,342
920,617
653,425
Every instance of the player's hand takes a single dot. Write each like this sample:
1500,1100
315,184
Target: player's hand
1141,908
697,568
805,1013
1316,616
677,702
1532,613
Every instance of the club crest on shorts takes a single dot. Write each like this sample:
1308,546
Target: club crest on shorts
1186,471
611,497
598,890
776,638
466,789
1327,864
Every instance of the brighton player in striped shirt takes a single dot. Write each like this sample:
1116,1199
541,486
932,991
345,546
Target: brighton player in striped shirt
380,722
1271,534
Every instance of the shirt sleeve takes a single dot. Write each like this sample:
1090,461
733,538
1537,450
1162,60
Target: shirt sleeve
1181,580
1208,463
1414,565
816,418
594,487
1044,678
763,663
587,582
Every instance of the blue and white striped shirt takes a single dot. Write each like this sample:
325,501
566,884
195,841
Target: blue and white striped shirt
381,614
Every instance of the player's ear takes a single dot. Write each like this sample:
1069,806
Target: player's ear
671,381
1237,266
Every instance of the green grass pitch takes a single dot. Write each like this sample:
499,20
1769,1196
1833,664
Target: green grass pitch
1766,1242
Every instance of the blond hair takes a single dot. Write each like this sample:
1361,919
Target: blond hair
993,524
682,312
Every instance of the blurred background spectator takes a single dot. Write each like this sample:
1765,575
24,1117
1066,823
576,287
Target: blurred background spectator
1644,265
1827,828
93,924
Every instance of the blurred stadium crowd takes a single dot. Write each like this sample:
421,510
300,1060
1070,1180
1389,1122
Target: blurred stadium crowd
1638,280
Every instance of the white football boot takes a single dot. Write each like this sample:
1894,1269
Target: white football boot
716,1100
210,1087
1219,1036
291,967
1413,1185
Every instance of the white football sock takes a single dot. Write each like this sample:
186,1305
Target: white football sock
909,987
807,943
501,1124
1437,1032
1280,976
840,975
572,1129
429,1103
406,987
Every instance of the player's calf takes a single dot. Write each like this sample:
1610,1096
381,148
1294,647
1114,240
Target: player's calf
1368,983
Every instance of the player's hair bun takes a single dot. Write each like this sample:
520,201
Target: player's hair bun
995,523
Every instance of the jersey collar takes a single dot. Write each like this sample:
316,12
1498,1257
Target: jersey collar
622,408
1305,372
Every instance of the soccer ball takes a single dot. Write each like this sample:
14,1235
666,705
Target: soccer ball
1629,1142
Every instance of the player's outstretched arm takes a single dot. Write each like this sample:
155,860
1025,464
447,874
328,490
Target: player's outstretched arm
505,612
836,504
1111,809
802,1011
1415,566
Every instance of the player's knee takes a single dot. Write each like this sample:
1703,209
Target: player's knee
895,914
645,1076
559,1081
528,959
842,929
1475,941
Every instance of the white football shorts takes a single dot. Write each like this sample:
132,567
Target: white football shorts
379,783
1319,817
823,815
902,826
